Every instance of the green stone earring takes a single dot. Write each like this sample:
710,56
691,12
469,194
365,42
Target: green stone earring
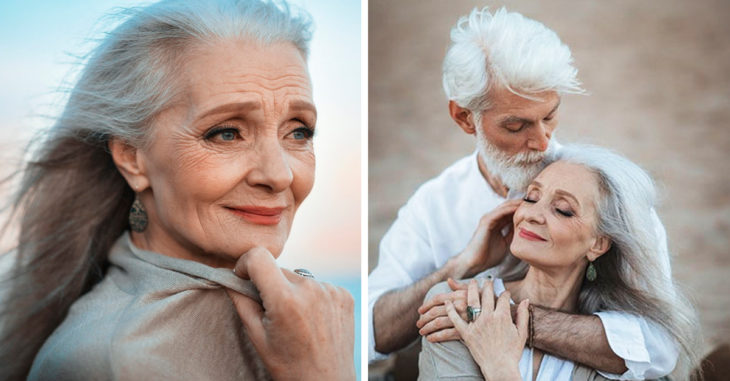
591,273
137,216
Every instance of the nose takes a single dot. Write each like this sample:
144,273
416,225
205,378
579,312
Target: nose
533,213
539,137
271,169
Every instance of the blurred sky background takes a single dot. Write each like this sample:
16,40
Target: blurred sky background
38,43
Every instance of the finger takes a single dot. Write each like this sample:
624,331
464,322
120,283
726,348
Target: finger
523,319
448,334
439,299
436,325
251,314
459,324
488,296
503,219
259,266
455,286
436,300
472,294
502,307
431,314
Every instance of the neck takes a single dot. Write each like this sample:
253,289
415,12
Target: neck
553,289
494,182
158,243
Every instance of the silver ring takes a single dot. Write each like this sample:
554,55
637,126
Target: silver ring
472,313
304,272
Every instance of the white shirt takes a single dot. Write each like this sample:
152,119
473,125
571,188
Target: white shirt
551,367
438,222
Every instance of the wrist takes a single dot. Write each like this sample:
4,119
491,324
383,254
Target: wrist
457,268
504,374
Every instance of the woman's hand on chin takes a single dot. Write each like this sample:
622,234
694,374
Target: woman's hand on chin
494,342
305,330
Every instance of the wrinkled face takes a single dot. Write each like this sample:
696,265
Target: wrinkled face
555,226
514,135
231,162
515,124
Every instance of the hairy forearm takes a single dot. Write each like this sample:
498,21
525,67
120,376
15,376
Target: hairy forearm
580,338
395,313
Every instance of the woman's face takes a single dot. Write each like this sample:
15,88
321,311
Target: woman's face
555,226
230,163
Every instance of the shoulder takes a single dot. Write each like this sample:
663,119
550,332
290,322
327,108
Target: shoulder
112,334
456,181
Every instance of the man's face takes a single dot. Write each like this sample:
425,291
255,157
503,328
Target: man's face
514,135
516,125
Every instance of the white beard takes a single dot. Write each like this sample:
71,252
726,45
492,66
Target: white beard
517,171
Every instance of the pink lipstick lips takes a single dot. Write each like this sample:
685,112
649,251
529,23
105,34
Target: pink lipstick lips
530,236
258,214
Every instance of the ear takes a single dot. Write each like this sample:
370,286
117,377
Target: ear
463,117
600,247
129,162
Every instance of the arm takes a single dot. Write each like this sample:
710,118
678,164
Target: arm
579,338
395,313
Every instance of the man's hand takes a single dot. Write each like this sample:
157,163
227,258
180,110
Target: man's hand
305,329
487,247
434,322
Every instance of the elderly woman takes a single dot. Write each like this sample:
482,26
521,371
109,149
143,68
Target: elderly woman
584,242
153,212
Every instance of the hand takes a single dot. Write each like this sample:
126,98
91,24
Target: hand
488,247
305,329
494,342
434,322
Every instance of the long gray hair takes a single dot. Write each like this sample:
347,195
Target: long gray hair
632,277
72,203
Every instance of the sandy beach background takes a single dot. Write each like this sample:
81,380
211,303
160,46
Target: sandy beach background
658,73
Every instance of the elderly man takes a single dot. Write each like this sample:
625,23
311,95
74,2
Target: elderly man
504,76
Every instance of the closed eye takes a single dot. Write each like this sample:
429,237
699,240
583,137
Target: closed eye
527,199
565,213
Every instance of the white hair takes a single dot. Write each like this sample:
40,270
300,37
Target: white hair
630,274
505,49
515,171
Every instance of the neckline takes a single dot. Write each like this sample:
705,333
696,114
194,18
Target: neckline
222,277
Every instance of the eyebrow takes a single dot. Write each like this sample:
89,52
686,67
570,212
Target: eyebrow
559,192
516,119
230,107
295,105
301,105
555,108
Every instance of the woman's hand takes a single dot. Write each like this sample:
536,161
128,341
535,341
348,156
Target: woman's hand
305,330
434,322
487,246
494,342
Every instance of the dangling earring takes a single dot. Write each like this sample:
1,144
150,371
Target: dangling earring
137,216
591,273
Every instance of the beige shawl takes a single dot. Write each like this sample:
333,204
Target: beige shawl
153,317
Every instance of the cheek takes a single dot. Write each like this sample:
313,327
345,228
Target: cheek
302,167
185,174
571,238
